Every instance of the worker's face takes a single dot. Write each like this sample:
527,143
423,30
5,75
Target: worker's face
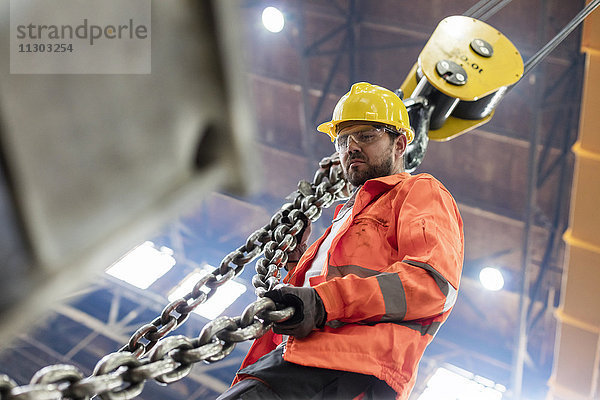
363,161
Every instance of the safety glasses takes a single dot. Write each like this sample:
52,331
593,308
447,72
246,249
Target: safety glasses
363,136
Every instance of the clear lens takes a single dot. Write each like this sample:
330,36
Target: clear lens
365,136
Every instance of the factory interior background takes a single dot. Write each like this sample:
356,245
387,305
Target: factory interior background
526,184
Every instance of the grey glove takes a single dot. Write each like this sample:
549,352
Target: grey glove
310,313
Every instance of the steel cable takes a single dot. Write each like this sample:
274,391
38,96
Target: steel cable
560,36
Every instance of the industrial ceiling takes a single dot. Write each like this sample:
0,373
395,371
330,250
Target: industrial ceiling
511,177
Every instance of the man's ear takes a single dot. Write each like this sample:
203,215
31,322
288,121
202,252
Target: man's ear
400,146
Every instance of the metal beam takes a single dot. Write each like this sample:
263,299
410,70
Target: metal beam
520,352
487,359
327,85
352,27
307,137
560,216
561,124
312,49
346,50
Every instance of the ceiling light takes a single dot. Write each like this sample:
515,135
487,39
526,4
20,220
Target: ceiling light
273,19
143,265
213,307
491,278
457,384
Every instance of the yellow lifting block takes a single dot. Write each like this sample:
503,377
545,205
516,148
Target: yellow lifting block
464,70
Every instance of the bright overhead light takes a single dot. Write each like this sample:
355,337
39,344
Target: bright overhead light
458,384
273,19
143,265
213,307
491,278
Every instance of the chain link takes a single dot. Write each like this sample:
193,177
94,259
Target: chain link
122,375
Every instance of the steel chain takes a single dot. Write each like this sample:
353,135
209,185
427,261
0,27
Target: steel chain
122,375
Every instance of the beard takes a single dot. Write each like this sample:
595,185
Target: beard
368,171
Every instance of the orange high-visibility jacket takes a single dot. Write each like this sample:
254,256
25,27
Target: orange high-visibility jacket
390,281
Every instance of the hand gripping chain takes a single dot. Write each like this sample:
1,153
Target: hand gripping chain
121,375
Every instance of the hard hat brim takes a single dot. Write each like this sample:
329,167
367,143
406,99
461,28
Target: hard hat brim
328,128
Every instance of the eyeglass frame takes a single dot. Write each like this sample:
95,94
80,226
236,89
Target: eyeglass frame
380,128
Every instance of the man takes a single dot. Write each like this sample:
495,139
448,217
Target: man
371,293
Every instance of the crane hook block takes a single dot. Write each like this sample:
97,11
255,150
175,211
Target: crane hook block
464,70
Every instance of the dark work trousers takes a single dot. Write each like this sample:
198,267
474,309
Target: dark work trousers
271,377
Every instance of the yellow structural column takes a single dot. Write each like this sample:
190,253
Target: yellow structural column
576,367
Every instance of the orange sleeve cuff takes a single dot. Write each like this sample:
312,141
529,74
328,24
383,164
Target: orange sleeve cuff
331,300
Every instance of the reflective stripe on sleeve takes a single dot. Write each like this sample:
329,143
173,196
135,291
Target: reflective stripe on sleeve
428,329
447,289
394,296
343,270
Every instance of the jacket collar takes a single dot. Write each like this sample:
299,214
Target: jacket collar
388,180
374,187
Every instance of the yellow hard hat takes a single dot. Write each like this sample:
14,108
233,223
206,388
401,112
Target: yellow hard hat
371,103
